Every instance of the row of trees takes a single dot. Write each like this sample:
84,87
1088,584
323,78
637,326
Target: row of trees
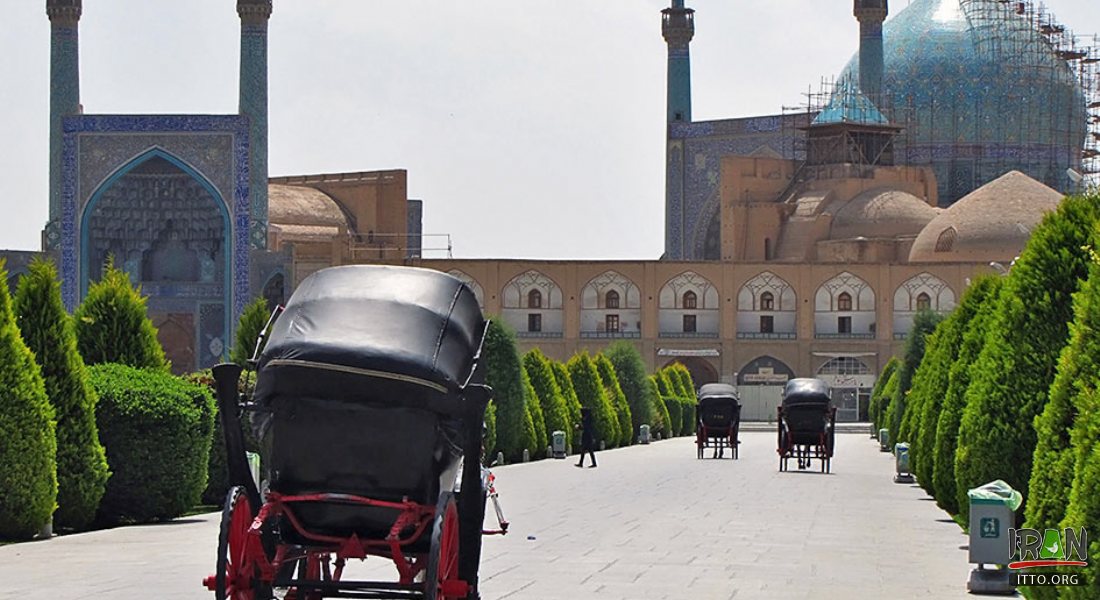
534,396
1005,387
93,428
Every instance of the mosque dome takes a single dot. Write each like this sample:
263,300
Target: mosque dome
979,90
882,213
304,213
992,223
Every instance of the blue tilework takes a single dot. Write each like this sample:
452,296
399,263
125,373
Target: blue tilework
253,104
979,92
848,105
64,101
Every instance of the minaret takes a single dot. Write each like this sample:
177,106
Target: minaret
64,98
253,104
871,14
678,27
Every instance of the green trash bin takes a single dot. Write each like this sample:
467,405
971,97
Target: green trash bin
901,463
884,440
557,445
992,514
643,434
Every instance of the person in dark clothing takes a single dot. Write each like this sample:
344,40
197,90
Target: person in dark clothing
588,437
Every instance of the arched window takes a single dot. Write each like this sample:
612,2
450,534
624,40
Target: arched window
611,300
767,301
844,301
924,302
691,301
534,299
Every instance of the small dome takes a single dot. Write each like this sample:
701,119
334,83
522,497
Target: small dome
297,205
992,223
882,213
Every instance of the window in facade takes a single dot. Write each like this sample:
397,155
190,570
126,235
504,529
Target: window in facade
689,323
844,301
924,302
611,323
534,299
611,300
844,324
767,301
767,324
691,301
534,322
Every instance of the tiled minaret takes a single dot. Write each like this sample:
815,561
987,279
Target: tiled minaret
64,98
677,27
871,14
253,104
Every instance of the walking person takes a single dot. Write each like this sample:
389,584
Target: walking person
588,437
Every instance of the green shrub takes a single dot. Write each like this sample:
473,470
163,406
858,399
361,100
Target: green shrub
572,404
924,323
28,435
549,394
157,430
505,375
490,441
877,408
1013,373
112,327
217,480
675,415
539,440
658,421
687,426
889,395
631,373
48,332
249,327
1078,372
979,300
591,393
1084,496
618,400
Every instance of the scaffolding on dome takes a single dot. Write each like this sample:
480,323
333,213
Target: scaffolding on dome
993,21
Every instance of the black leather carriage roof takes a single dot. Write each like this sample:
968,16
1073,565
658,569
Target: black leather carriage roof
717,390
805,390
403,325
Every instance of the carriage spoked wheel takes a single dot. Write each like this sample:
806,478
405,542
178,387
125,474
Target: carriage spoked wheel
235,577
441,581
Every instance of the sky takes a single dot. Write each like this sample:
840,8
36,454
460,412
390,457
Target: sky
529,128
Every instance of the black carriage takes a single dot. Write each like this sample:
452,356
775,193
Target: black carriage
718,419
807,424
369,398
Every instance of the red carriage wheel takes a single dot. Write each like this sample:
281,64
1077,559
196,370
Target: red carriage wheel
234,578
441,581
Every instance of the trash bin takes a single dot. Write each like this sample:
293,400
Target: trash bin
901,463
884,440
643,434
557,445
992,515
254,466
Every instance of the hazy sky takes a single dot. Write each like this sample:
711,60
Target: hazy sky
530,128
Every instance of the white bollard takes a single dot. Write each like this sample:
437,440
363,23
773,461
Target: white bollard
526,455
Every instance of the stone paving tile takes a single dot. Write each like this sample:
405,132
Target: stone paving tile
650,522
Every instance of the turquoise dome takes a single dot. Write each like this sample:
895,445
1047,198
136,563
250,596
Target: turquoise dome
980,91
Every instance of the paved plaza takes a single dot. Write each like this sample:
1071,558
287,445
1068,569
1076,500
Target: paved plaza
650,522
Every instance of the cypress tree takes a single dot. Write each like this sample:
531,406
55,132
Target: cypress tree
572,404
538,440
249,327
980,300
1084,496
591,393
1016,367
505,375
662,420
877,408
889,395
112,327
549,394
490,441
924,323
48,332
618,399
28,435
630,371
1078,371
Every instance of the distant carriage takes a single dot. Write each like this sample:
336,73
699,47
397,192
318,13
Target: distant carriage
718,419
807,424
369,402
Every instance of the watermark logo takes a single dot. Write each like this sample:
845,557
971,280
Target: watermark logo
1049,548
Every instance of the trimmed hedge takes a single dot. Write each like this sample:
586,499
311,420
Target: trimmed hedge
536,444
631,373
980,299
572,404
1012,376
48,332
249,327
490,441
157,430
112,327
28,437
924,323
675,414
550,397
591,393
879,400
505,375
1084,496
687,426
618,400
662,420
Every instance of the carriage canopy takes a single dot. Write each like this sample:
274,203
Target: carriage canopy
406,334
805,390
